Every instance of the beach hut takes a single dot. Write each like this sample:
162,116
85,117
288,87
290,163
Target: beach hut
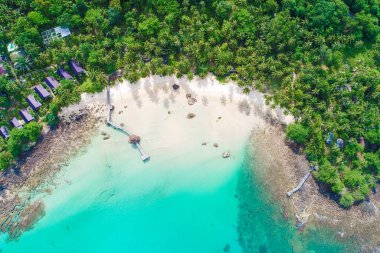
4,132
77,70
33,102
51,82
134,139
15,123
41,91
64,74
26,116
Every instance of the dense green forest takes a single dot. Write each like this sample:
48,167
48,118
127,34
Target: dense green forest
318,59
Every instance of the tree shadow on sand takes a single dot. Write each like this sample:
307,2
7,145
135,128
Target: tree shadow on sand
244,107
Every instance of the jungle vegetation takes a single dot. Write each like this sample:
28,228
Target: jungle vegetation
319,59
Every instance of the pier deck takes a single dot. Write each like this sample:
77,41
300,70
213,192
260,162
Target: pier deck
290,193
143,155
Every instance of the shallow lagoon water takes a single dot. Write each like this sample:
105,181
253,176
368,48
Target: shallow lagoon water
187,198
107,200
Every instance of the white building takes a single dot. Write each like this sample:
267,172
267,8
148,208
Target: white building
55,33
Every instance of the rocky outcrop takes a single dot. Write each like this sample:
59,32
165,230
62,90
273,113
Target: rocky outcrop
226,154
190,115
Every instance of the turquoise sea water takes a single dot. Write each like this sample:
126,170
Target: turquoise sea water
192,200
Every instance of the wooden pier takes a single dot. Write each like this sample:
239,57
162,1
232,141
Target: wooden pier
290,193
144,156
108,104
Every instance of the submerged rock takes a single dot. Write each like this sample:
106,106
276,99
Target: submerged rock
227,248
204,143
226,154
106,137
104,133
216,145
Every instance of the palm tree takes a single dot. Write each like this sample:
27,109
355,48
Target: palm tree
23,63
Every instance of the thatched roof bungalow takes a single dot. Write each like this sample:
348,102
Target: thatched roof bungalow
64,74
77,70
134,139
15,123
4,132
26,116
33,102
41,91
51,82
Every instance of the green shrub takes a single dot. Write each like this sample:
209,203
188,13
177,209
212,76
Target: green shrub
346,200
5,160
297,132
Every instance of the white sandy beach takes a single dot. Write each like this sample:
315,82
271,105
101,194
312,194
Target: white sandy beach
153,110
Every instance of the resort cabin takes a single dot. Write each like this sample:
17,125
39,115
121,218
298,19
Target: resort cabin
4,132
33,102
26,116
41,91
51,82
77,70
64,74
15,123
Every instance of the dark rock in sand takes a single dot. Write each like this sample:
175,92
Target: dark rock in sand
190,115
122,125
103,133
175,86
169,112
204,143
216,145
78,117
106,137
112,107
188,95
191,101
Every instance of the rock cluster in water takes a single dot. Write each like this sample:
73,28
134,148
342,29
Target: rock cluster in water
226,154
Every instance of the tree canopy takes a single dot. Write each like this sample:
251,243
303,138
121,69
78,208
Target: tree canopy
319,59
